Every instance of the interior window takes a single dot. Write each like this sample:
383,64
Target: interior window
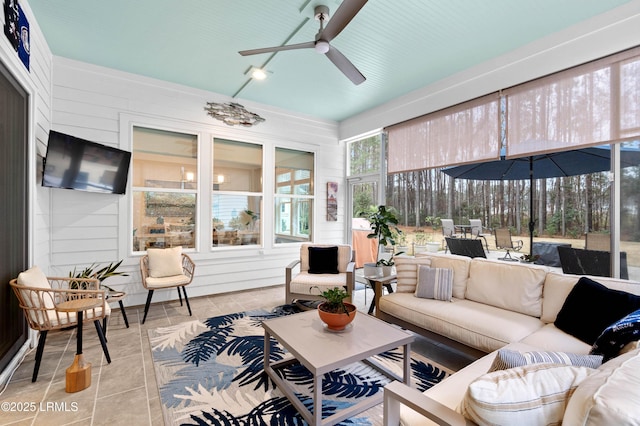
237,194
164,188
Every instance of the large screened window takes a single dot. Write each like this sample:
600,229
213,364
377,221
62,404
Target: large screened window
294,180
165,170
237,194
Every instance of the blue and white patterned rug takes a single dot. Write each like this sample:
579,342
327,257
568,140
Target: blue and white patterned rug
211,373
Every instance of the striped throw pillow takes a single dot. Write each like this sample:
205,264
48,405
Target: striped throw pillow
510,359
532,395
434,283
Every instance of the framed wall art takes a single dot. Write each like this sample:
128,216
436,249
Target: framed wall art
332,201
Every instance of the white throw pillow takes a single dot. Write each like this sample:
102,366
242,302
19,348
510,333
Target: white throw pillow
609,397
534,394
34,277
165,262
434,283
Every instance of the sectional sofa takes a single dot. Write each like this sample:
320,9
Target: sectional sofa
497,307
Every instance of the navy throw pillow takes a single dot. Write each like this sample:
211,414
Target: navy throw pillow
323,260
591,307
617,335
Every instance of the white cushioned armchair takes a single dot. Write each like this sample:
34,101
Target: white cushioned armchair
319,269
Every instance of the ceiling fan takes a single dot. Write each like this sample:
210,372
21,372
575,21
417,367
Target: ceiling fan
344,14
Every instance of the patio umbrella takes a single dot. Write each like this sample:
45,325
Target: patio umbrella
555,164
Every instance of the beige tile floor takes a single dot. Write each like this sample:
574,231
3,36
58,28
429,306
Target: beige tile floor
125,392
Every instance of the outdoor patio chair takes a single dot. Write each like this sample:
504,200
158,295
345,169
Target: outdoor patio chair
38,296
597,241
476,231
448,230
465,247
504,241
166,268
320,267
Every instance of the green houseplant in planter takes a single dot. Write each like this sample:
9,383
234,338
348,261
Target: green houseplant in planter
420,242
334,311
387,264
384,228
101,274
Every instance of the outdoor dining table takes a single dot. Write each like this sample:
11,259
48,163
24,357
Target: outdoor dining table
463,229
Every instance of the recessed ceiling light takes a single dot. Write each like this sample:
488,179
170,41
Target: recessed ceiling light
258,73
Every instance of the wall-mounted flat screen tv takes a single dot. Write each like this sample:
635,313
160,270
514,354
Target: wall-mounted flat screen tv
75,163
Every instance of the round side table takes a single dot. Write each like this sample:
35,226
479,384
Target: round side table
79,373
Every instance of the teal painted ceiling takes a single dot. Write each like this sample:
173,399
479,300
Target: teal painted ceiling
399,45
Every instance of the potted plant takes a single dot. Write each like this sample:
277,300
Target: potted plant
529,258
384,228
432,246
401,241
433,221
334,311
387,264
101,274
420,242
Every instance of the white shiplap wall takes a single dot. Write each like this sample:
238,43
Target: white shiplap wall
101,105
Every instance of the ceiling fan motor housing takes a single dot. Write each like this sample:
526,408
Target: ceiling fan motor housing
321,13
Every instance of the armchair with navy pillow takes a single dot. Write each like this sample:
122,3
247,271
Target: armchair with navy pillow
320,267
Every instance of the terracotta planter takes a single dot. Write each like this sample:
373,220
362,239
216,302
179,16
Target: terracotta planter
338,321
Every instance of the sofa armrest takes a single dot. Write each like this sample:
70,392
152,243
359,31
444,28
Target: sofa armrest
396,393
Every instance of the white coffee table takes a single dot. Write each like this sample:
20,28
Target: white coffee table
322,351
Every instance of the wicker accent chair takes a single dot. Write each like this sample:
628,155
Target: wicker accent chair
38,296
302,283
166,268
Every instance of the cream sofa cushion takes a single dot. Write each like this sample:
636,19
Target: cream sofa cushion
474,324
511,286
558,286
165,262
314,284
551,338
609,397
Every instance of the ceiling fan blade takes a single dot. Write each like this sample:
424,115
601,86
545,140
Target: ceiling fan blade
277,48
344,65
341,18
